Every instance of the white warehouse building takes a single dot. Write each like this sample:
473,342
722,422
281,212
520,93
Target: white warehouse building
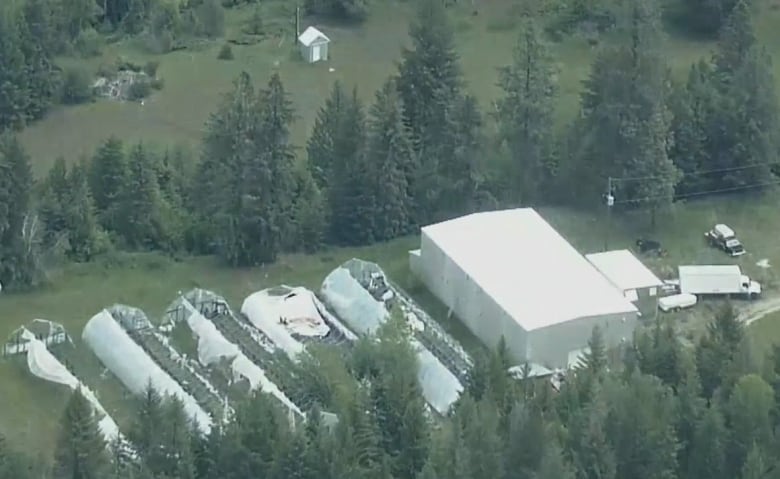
509,273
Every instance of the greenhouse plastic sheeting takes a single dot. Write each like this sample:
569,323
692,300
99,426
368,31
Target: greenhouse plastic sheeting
352,303
440,387
44,365
355,305
267,311
213,346
133,367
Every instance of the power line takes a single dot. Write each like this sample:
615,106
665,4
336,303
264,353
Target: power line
701,193
698,173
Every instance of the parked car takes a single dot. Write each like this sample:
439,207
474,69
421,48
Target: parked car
676,302
723,237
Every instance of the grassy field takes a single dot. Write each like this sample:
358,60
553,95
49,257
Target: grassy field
363,56
150,282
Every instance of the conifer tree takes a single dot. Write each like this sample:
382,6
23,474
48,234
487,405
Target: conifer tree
107,181
18,226
43,82
430,84
81,450
140,203
525,113
83,229
625,116
14,96
707,459
337,136
54,201
392,162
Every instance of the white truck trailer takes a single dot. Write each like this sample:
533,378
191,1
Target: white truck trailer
717,280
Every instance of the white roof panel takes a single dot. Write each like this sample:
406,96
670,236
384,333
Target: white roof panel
310,35
624,270
529,269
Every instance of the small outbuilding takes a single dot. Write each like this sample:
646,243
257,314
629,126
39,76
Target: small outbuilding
314,45
631,277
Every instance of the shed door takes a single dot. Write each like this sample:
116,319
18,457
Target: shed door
315,53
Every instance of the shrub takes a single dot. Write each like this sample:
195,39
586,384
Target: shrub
211,18
139,89
151,68
88,43
76,86
157,83
225,53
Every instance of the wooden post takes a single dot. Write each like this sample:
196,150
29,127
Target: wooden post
297,22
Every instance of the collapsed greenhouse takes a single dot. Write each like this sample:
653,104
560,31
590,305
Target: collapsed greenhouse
360,293
44,365
212,347
110,340
292,316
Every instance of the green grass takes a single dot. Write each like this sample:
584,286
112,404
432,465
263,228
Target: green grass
363,56
28,406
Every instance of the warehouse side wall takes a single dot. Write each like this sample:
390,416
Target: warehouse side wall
473,306
551,346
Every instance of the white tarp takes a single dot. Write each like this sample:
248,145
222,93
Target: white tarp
213,346
439,386
355,305
44,365
133,367
285,311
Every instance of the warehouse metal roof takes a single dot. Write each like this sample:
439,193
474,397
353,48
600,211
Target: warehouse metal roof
529,269
624,270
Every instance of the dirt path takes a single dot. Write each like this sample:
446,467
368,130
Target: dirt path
757,311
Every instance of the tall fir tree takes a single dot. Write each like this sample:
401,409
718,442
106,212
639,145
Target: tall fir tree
625,116
525,114
81,450
392,163
337,136
14,94
54,201
19,233
140,203
107,180
430,82
707,459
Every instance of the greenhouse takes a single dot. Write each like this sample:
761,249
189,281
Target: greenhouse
128,361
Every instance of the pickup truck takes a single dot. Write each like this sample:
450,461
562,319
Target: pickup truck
723,237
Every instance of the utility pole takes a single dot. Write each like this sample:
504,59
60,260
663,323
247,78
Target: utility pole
297,22
610,201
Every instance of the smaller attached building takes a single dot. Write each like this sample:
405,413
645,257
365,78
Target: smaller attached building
314,45
631,277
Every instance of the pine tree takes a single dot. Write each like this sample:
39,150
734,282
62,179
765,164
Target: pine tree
430,83
717,348
526,426
43,82
18,226
176,441
81,450
593,454
749,412
707,458
641,418
337,136
554,464
464,190
392,162
14,93
54,201
83,229
107,180
755,466
140,203
625,116
526,113
694,107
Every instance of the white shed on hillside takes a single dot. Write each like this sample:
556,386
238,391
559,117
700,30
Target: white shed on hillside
314,45
509,273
